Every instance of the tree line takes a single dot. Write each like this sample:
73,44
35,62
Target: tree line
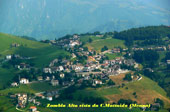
143,33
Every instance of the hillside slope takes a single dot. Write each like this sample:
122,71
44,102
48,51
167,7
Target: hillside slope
146,91
98,42
41,53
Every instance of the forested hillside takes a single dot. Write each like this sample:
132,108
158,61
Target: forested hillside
143,33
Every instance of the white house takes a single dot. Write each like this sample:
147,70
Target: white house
8,57
47,70
77,67
14,84
50,98
40,78
62,75
168,61
54,82
136,65
73,55
98,82
72,44
60,68
75,36
24,81
47,78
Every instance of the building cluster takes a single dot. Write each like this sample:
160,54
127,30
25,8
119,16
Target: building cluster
95,70
16,56
156,48
69,42
94,64
22,100
15,45
21,81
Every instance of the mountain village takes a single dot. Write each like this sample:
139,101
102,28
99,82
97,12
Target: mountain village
82,66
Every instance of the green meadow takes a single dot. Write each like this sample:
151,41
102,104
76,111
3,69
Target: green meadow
99,43
113,56
40,53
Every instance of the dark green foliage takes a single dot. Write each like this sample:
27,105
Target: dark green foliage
2,109
6,65
96,33
45,41
85,83
142,33
65,37
152,42
123,66
127,77
105,36
134,93
123,85
85,48
82,59
93,100
152,75
167,57
67,93
160,102
24,74
110,82
104,49
146,56
90,40
15,62
29,38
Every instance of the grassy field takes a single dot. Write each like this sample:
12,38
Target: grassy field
30,88
7,40
113,56
97,44
7,105
161,55
100,92
86,38
41,53
41,56
43,86
108,91
5,76
146,91
20,89
118,79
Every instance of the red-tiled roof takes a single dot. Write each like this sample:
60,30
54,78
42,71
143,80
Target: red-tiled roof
33,107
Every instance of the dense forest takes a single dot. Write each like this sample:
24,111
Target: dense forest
146,57
143,33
